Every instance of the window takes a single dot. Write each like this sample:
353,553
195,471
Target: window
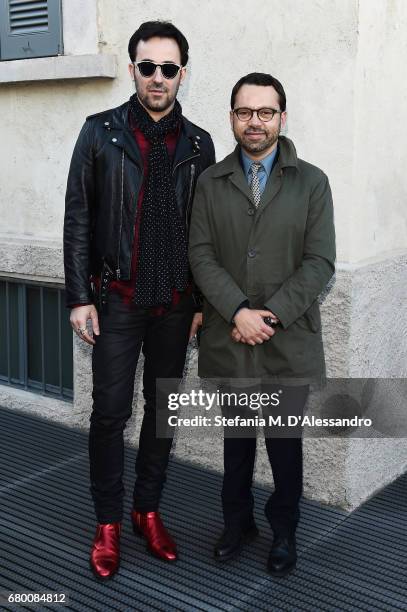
35,338
30,28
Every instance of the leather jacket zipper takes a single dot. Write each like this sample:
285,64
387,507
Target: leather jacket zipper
187,207
121,218
190,185
183,161
118,272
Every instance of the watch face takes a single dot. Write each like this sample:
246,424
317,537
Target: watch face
269,321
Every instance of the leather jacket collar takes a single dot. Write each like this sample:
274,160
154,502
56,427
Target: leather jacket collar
188,145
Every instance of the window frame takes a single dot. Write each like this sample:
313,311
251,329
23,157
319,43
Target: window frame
85,56
23,381
31,44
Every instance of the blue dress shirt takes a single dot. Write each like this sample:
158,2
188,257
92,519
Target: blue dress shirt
264,171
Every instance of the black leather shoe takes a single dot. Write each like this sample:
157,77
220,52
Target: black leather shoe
283,555
232,540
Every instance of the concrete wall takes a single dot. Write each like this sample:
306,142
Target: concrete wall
378,208
341,62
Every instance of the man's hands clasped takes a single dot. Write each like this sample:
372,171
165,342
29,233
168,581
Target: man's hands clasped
79,318
250,327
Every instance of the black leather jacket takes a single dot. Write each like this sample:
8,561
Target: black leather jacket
104,181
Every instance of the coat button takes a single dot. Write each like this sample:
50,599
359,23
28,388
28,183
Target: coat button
250,211
107,123
251,253
114,139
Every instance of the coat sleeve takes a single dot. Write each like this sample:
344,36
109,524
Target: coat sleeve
298,292
214,281
79,205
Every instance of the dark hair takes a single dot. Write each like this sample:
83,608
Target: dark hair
263,79
163,29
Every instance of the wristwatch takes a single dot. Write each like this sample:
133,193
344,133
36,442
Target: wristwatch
270,322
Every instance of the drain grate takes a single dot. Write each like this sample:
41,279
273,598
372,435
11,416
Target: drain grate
347,562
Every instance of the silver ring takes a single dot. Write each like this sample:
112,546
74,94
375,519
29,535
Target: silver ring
81,330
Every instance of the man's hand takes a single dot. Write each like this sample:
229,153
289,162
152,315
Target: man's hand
236,336
196,323
250,327
79,317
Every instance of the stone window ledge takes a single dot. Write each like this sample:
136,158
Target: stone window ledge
63,67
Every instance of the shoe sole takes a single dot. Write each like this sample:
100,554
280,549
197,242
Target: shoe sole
247,539
282,573
102,578
140,534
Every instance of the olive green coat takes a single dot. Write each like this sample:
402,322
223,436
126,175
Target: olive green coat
280,256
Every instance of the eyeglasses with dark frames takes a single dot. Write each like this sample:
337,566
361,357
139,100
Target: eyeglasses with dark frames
264,114
169,70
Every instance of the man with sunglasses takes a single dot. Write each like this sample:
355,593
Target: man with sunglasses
128,205
262,249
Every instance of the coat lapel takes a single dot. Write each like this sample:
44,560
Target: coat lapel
287,158
121,135
273,186
232,168
131,147
239,180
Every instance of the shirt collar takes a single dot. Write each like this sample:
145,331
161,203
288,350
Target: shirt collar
267,162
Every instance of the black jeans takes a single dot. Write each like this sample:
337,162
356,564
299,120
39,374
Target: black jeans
285,456
124,331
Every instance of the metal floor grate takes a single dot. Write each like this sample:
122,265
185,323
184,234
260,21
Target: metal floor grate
347,562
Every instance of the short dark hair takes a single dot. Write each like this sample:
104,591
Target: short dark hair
162,29
263,79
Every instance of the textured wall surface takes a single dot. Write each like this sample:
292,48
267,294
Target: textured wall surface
337,84
379,212
42,120
378,346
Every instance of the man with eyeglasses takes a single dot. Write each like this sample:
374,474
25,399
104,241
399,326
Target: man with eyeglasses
128,205
262,249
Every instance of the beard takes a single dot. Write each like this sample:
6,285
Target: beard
149,102
270,138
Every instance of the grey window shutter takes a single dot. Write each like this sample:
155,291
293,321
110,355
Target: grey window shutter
30,28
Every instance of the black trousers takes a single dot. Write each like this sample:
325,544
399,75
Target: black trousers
124,331
285,456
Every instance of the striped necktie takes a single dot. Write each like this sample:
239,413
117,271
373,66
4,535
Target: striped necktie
255,183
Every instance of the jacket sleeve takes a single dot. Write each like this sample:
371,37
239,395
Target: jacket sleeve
79,207
208,159
298,292
215,282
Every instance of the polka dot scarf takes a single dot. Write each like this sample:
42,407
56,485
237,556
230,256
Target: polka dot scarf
162,255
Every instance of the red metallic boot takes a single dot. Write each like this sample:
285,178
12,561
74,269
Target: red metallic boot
159,541
105,553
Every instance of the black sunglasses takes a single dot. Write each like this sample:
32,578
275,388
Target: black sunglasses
168,70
